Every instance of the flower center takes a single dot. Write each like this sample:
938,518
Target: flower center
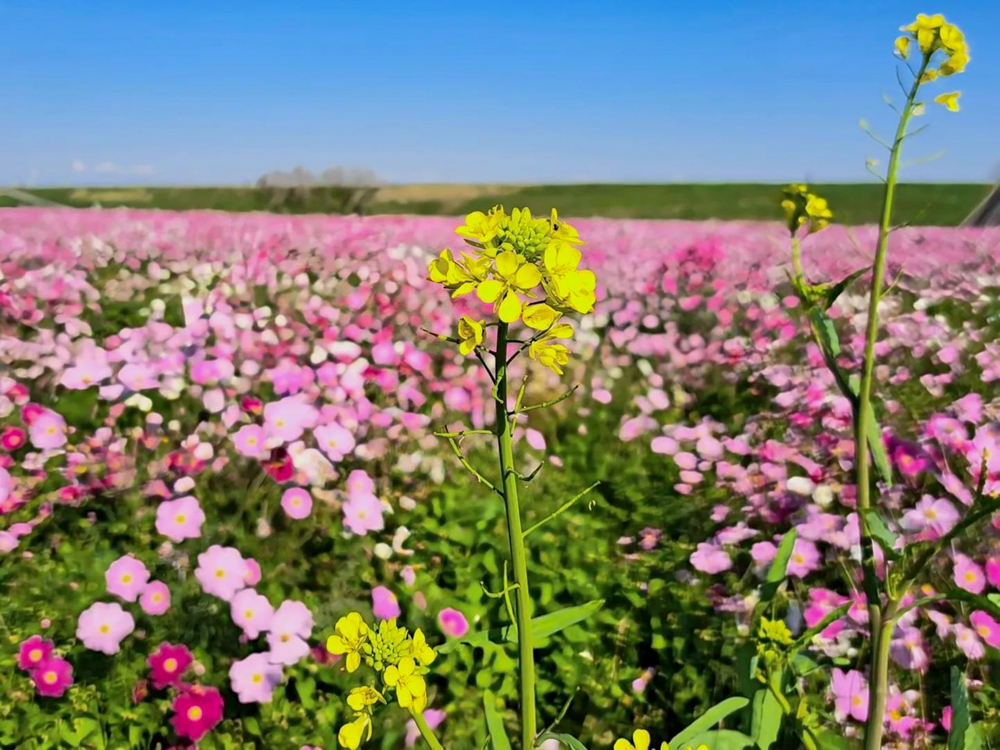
248,614
35,654
50,678
285,637
220,573
181,518
984,631
105,629
194,713
257,677
170,665
157,598
856,700
126,578
970,576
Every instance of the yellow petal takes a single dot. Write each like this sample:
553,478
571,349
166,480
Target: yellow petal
335,645
490,290
507,263
623,745
353,661
539,317
527,277
641,739
510,308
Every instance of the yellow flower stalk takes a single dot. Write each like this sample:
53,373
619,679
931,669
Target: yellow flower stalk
515,275
351,637
470,334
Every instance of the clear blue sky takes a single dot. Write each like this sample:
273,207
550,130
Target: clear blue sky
218,92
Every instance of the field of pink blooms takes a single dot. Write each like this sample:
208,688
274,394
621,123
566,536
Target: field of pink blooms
216,439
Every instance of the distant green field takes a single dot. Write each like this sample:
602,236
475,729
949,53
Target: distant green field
926,204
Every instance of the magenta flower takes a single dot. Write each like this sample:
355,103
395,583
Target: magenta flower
252,612
196,712
52,677
711,559
155,598
432,716
453,623
968,575
254,678
126,577
222,571
11,438
297,503
249,441
48,430
334,440
33,652
850,695
102,627
986,628
180,519
167,665
385,606
993,572
363,513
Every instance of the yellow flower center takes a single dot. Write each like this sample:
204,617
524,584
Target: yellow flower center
220,573
970,576
126,578
248,614
105,629
856,700
170,665
35,654
181,518
194,713
50,678
983,631
257,677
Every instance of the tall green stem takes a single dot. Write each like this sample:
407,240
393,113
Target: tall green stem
522,610
881,621
425,731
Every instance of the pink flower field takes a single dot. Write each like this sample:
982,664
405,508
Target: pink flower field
217,438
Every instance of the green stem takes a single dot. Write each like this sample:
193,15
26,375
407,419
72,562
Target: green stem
881,621
515,536
425,731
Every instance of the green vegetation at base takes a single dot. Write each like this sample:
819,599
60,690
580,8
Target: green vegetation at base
917,203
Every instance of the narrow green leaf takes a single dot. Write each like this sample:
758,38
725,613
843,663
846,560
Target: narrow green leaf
877,449
542,627
841,286
827,331
567,739
827,740
723,739
882,534
767,717
961,717
494,723
708,720
832,616
779,568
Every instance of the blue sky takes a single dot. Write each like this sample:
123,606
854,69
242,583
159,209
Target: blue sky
219,92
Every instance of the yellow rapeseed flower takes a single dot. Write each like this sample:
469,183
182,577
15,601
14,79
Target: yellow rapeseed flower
470,332
640,741
481,227
818,212
515,275
949,100
903,46
411,690
352,734
955,63
352,634
549,353
421,651
459,276
540,317
361,698
563,231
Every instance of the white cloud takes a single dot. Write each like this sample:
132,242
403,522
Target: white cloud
110,167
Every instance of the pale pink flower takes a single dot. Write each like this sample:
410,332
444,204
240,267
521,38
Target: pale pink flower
222,571
967,640
385,606
363,513
180,519
155,598
711,559
249,441
126,577
334,440
252,612
288,418
48,430
254,678
986,628
850,694
297,503
968,575
102,627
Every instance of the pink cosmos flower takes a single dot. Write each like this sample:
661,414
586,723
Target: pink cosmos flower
167,665
297,503
126,577
986,628
252,612
52,677
993,572
850,694
334,440
453,623
48,430
33,652
249,441
968,575
805,558
710,558
222,571
291,625
254,678
908,650
938,516
967,640
900,710
363,513
359,483
253,572
196,711
89,370
155,598
102,627
288,418
180,519
385,606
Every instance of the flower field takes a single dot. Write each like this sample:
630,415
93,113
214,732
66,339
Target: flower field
217,440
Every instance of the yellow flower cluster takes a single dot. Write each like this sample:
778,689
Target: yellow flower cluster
640,741
528,268
400,659
933,34
802,207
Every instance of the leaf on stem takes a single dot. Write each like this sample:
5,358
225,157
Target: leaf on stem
708,720
542,627
961,717
881,533
494,723
566,739
779,568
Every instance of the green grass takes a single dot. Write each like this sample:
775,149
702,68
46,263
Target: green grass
924,204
